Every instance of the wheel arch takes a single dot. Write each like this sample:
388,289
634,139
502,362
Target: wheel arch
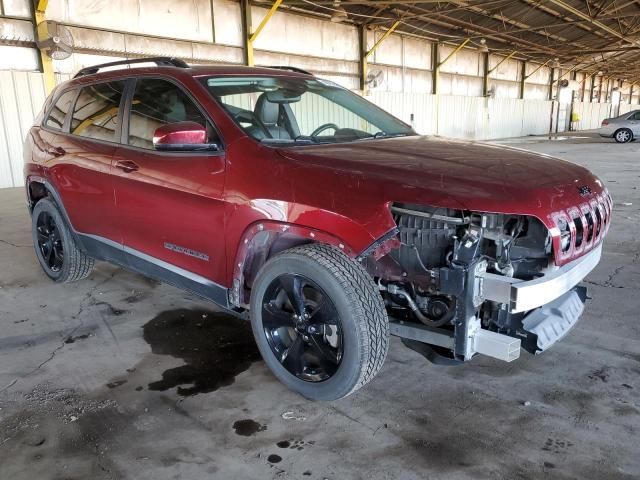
39,188
631,135
264,239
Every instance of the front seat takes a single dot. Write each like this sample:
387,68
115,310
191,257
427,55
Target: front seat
269,114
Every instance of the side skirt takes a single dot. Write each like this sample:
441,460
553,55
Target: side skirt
130,259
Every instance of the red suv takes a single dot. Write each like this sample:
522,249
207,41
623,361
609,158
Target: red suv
300,205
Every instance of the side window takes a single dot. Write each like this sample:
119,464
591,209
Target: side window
156,103
96,112
636,116
59,111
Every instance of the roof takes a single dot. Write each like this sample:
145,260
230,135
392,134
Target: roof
591,35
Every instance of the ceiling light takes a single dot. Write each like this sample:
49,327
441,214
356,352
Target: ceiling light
339,13
483,46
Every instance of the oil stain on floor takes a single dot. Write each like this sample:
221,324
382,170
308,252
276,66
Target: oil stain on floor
215,347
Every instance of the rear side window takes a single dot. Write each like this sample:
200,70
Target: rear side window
156,103
58,112
96,112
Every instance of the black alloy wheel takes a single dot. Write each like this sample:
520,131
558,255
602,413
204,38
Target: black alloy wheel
56,250
302,327
49,241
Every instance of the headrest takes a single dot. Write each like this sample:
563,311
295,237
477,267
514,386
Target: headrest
266,111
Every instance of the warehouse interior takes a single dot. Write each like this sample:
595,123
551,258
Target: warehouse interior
121,376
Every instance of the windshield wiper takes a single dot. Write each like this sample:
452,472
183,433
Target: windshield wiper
388,135
288,141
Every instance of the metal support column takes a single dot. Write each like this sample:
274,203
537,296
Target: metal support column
362,41
40,25
523,78
435,60
250,36
365,54
485,74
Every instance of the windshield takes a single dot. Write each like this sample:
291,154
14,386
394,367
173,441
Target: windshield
286,110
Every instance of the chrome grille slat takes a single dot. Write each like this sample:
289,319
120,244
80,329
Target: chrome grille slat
589,220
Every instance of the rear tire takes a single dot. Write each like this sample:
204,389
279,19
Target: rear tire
624,135
329,365
55,247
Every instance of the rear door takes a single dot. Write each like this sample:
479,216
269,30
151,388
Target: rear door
169,203
81,146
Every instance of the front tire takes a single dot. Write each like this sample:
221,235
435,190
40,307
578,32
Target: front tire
624,135
55,248
319,322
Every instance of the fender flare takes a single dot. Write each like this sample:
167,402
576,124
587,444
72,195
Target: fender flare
268,231
53,192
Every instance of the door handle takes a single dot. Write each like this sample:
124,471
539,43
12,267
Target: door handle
127,166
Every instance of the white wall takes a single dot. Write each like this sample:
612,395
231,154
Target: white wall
192,30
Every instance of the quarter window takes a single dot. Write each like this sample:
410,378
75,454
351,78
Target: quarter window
156,103
58,112
96,112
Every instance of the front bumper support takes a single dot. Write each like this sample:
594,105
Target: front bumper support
522,296
552,322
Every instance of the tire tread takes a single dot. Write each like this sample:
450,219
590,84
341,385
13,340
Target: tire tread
77,265
370,313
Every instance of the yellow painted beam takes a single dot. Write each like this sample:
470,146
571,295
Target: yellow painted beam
382,38
108,111
587,77
265,20
536,69
252,35
457,49
40,18
502,61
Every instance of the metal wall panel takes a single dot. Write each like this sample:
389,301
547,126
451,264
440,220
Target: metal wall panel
591,114
21,99
301,35
474,118
186,19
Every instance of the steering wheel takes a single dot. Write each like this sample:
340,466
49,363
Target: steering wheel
324,127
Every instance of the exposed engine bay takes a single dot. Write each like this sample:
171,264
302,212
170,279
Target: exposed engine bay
434,276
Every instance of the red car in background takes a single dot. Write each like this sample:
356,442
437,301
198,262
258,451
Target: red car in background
329,223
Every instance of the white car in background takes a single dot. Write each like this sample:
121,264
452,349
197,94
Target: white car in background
622,129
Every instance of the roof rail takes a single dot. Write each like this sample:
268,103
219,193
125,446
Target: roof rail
159,61
292,69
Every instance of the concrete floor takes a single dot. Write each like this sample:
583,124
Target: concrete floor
121,377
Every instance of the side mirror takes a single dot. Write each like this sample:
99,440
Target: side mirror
182,137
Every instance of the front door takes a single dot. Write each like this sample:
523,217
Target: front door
169,203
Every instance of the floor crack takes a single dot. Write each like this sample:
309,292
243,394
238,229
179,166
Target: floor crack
81,307
15,244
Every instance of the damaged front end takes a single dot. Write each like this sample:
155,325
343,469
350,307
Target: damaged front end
459,283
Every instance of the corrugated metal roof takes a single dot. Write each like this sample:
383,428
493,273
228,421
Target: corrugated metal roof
591,35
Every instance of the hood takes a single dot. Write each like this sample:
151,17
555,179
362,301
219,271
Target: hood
454,174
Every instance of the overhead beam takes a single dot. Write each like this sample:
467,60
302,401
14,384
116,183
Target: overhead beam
596,23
